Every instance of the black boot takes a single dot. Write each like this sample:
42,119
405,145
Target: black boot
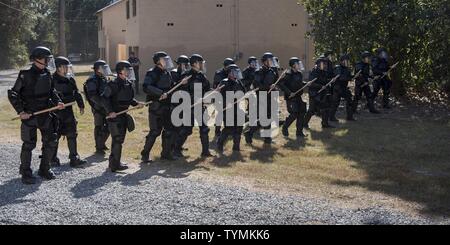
145,157
118,168
47,174
28,178
77,162
55,163
372,108
285,131
205,145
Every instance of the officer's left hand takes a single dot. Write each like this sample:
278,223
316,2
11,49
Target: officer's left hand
61,106
273,87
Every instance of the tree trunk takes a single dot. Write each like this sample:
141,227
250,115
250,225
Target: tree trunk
62,32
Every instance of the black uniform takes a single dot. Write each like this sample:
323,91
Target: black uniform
218,78
319,102
363,86
68,92
291,83
118,96
34,91
186,131
177,75
264,79
93,89
249,77
379,67
236,130
157,82
341,90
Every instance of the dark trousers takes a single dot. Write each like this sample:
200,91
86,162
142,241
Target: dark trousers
160,123
338,95
118,129
385,84
253,129
235,132
320,104
297,111
359,91
47,125
68,127
186,131
101,130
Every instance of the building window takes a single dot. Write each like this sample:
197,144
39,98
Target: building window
128,9
134,8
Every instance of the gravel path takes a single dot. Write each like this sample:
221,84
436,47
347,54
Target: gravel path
154,195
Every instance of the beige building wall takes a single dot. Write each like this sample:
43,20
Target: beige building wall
214,29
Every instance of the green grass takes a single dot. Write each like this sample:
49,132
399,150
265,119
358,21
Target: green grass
391,160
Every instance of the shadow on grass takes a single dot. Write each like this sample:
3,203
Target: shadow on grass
405,159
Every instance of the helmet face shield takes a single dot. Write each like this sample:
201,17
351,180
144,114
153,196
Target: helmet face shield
202,66
67,71
50,63
298,66
345,62
384,55
322,65
255,64
167,63
236,74
105,70
129,73
185,67
272,62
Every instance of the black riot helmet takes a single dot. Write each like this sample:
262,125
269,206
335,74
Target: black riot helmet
163,59
64,66
183,59
125,66
227,62
382,53
103,68
366,55
344,59
40,53
62,61
234,72
269,57
196,58
296,61
322,63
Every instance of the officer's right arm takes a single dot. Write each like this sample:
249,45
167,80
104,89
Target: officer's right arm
106,98
92,91
283,85
150,86
315,85
14,94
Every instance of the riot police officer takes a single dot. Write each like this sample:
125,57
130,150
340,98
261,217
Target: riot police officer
264,81
250,72
380,67
329,56
93,89
231,84
319,101
183,66
341,90
117,97
196,76
67,89
290,84
158,82
363,83
34,91
218,78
